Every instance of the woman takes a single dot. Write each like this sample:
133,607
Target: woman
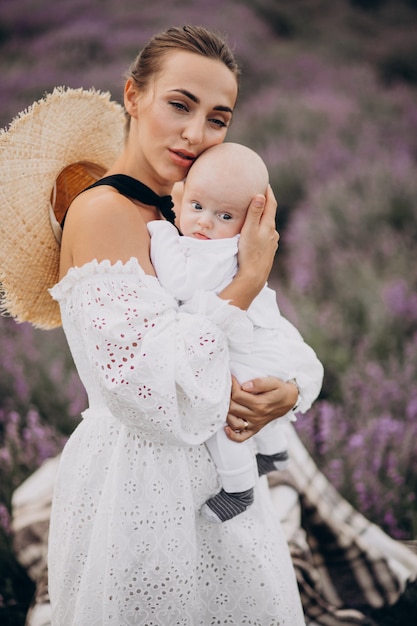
127,544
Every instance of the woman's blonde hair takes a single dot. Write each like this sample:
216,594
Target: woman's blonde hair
194,39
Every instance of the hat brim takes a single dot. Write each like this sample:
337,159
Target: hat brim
67,127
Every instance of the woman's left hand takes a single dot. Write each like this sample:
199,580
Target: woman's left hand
256,403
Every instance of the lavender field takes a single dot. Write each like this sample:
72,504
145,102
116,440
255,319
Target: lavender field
329,98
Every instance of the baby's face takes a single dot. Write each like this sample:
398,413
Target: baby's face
208,215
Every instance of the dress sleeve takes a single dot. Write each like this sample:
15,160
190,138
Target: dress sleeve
161,371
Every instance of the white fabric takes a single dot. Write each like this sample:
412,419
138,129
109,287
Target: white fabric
216,266
127,542
184,265
235,462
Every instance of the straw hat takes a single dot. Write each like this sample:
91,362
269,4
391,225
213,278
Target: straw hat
50,152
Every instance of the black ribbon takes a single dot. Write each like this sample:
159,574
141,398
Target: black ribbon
133,188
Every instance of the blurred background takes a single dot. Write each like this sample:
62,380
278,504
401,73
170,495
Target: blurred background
329,99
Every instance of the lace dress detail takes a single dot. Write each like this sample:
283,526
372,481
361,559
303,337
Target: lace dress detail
127,543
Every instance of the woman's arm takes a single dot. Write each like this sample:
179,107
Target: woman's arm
261,400
162,372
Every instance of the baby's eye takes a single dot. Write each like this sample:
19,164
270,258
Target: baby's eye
197,206
225,216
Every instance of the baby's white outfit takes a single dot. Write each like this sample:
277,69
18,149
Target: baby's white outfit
185,265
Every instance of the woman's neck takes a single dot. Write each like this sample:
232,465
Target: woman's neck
125,165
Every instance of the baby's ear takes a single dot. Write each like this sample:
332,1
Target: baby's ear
177,193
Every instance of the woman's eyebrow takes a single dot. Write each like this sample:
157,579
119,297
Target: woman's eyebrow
195,99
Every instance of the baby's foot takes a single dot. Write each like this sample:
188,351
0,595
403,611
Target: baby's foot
271,462
223,506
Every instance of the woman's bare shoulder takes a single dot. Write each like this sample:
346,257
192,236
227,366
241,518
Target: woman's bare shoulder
102,224
97,209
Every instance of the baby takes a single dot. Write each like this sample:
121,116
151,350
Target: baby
217,192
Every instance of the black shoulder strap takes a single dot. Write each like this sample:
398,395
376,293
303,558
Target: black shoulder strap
133,188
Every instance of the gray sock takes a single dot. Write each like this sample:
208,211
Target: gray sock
223,506
271,462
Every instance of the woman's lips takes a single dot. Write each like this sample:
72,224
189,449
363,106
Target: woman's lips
182,157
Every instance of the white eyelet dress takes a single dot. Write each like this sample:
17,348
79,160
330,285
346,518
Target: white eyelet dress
127,542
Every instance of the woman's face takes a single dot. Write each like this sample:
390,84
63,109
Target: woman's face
186,108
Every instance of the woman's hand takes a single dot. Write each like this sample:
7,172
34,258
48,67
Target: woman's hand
256,403
257,247
258,238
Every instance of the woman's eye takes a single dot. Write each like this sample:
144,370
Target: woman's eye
197,206
178,105
219,123
225,216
